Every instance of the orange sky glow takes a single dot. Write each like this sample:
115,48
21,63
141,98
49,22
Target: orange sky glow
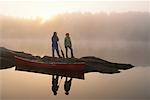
47,9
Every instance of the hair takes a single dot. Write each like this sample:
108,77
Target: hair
55,33
67,33
67,93
55,93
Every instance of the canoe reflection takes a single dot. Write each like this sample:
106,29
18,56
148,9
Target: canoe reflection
73,74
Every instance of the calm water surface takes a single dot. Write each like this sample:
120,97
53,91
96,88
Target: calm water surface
132,84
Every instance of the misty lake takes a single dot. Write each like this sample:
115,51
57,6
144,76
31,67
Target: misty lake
132,84
117,31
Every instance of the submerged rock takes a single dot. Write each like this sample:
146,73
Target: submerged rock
93,64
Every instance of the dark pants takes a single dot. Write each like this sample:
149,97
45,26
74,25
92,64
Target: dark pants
53,51
70,50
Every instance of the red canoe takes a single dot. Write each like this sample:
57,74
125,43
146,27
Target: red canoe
57,66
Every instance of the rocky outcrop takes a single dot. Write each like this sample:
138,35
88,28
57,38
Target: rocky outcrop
93,64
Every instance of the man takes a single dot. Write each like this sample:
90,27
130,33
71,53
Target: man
55,39
67,86
68,44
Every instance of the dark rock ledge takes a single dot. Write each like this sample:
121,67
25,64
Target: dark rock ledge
93,64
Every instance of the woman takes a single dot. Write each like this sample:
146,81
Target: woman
55,40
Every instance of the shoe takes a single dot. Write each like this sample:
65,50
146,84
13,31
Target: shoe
72,57
66,56
60,56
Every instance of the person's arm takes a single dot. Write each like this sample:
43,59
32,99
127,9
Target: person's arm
52,39
70,42
57,38
65,41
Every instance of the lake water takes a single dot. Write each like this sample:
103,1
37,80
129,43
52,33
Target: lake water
132,84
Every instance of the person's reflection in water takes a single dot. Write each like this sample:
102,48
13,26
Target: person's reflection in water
67,85
55,84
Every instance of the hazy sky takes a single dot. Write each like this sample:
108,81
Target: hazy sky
48,8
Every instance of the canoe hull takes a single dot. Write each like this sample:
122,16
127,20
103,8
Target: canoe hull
58,66
66,70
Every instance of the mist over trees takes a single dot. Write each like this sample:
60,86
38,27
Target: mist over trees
128,26
122,37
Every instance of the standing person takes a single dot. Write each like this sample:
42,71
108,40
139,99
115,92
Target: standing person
67,86
68,44
55,40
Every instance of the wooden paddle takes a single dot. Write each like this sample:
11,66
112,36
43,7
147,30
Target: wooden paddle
61,50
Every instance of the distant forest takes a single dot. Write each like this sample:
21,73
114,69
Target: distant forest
128,26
